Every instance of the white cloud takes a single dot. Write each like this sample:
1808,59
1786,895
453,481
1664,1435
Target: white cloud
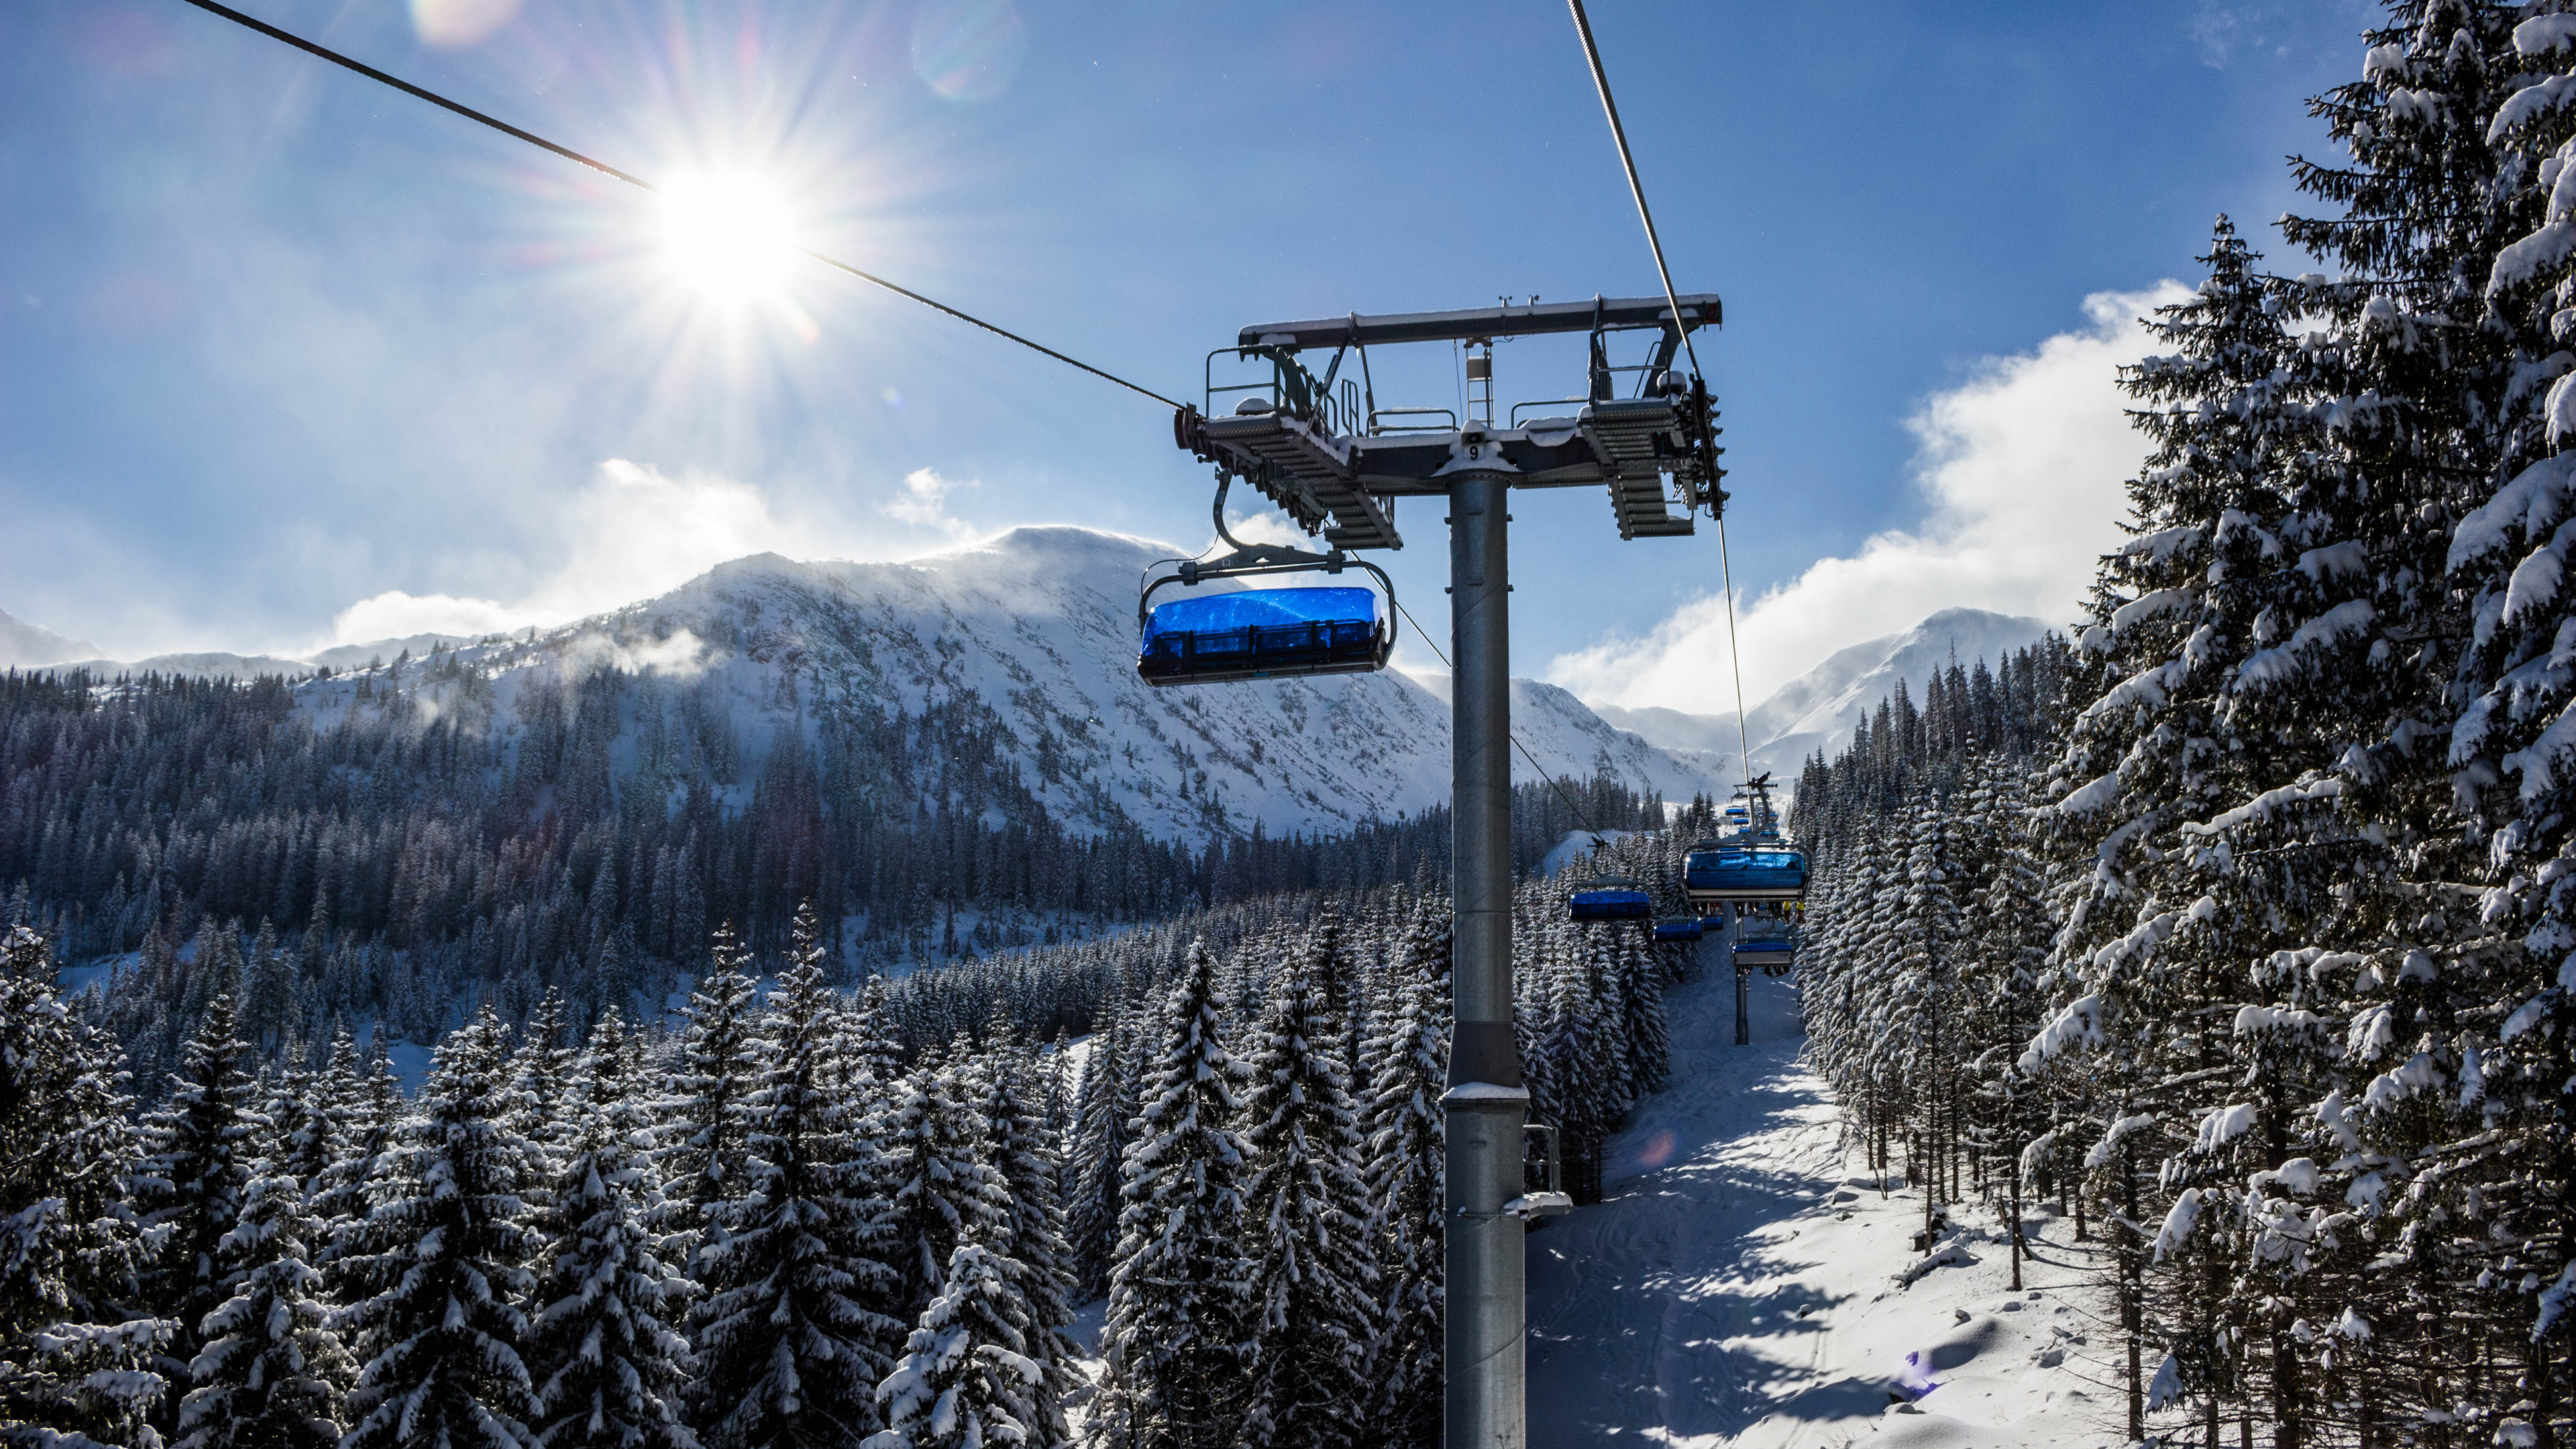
630,533
2023,470
924,503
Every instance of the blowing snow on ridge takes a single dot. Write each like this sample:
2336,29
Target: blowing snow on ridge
1039,624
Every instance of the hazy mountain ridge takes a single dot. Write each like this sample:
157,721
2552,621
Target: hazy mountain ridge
26,646
1820,708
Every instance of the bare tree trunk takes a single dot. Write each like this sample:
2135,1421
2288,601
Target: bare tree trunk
2020,1249
2132,1288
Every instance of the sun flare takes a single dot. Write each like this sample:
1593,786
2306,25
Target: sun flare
728,236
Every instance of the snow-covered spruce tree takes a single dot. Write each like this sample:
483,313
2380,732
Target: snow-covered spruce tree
73,1362
372,1108
2001,986
941,1191
1406,1180
272,1372
1643,1035
710,1095
792,1334
1023,1155
1104,1105
202,1143
1307,1220
2203,770
307,1113
441,1261
1180,1293
2473,1100
541,1084
609,1368
965,1379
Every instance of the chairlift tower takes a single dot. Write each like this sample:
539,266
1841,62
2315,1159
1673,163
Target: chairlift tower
1326,452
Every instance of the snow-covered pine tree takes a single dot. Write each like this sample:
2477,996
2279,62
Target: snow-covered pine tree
941,1191
1307,1222
1180,1309
708,1112
1643,1035
1407,1179
73,1363
308,1117
2238,636
541,1083
272,1372
609,1368
965,1379
2476,1105
202,1144
372,1109
1104,1106
1023,1155
441,1262
793,1333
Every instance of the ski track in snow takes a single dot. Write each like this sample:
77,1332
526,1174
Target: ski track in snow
1736,1286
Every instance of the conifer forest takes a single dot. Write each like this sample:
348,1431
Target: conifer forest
813,1102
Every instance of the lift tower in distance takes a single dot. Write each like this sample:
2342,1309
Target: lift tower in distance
1324,451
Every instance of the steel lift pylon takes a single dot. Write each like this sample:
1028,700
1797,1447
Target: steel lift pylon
1323,450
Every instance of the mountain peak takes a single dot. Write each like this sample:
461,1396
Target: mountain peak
24,645
1820,708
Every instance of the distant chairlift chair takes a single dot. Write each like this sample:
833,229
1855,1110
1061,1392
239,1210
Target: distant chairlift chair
1610,898
1766,943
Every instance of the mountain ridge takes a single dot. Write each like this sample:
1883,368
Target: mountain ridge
1820,708
1037,624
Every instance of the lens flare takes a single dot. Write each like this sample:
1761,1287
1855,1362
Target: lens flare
968,50
728,236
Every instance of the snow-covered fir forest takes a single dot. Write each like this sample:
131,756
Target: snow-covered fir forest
2260,955
2239,924
406,859
804,1216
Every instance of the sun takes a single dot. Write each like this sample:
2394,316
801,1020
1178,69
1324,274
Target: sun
728,236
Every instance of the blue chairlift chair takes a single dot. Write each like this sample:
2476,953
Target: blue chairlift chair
1686,930
1274,633
1717,872
1771,945
1610,898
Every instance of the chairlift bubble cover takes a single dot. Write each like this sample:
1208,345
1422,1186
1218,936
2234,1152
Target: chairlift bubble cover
1678,931
1258,633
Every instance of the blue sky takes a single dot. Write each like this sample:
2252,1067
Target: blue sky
275,341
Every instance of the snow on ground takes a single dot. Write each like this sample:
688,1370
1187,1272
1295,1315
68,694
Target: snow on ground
1575,849
1738,1285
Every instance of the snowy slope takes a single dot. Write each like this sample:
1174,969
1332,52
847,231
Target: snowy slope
217,664
1820,708
1738,1285
1040,625
23,644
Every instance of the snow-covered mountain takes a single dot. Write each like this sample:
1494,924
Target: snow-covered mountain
218,664
24,645
1040,625
1820,708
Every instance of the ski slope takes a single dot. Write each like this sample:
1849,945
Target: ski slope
1738,1284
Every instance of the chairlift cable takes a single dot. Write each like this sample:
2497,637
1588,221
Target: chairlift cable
1580,818
630,178
1637,189
1734,654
